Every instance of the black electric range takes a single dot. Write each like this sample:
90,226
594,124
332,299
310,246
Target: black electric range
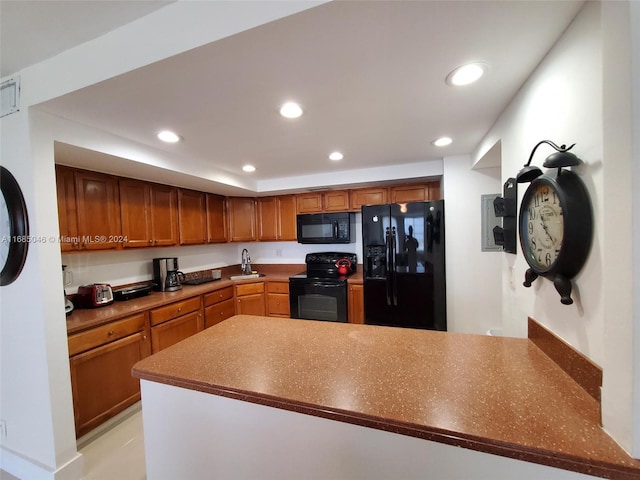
320,292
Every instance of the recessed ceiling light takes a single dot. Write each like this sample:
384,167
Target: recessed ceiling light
291,110
249,168
168,136
466,74
335,156
443,142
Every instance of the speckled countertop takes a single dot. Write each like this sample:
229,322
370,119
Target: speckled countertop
83,319
492,394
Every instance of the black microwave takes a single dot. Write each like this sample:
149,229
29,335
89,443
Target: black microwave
326,228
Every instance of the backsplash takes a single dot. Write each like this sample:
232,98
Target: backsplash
135,265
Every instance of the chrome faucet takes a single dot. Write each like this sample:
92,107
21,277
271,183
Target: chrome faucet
246,262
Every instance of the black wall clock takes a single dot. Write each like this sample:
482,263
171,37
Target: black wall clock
14,228
556,229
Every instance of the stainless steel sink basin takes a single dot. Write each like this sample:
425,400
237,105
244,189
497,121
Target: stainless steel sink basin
244,277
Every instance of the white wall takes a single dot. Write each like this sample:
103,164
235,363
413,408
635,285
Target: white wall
195,435
474,280
580,93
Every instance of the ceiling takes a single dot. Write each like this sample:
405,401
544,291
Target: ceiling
370,77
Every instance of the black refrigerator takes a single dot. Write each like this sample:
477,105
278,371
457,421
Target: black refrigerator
404,265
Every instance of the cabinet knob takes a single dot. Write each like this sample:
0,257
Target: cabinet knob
111,333
150,241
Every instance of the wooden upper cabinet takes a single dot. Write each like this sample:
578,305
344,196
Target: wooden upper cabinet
336,201
368,196
67,211
135,211
242,219
217,229
415,193
192,217
98,209
164,215
316,202
434,191
268,218
287,209
309,202
277,218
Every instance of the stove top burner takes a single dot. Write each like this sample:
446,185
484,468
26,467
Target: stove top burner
323,265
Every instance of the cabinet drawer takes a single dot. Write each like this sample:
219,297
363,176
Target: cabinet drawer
278,287
95,337
174,331
176,309
218,296
219,312
249,288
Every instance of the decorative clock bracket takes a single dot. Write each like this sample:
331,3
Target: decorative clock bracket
562,284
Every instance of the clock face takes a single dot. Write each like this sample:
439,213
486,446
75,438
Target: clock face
542,226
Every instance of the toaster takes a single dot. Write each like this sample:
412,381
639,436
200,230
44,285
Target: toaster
94,295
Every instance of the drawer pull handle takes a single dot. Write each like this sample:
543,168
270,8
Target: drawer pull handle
111,333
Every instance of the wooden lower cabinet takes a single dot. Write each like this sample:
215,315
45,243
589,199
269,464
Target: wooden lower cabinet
355,302
218,306
101,361
175,322
250,299
278,299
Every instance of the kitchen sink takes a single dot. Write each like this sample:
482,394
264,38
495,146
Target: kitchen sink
248,275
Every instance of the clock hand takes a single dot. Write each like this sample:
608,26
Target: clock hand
546,230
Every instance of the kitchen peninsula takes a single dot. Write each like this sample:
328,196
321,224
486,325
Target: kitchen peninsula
257,397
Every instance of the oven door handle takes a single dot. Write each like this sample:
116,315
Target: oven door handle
324,284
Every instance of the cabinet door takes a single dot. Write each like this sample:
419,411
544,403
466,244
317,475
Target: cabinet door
98,209
164,215
135,213
368,196
337,201
278,305
287,218
409,193
268,218
192,217
217,219
101,380
251,304
356,304
434,191
173,331
67,214
242,219
309,203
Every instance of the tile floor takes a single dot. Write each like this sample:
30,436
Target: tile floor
118,453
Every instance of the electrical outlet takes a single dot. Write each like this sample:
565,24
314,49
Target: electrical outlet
3,429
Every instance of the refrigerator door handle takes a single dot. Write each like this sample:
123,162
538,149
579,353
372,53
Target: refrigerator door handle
387,254
393,261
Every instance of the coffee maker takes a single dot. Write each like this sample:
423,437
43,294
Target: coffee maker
166,275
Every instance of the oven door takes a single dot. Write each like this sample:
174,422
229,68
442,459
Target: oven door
314,299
